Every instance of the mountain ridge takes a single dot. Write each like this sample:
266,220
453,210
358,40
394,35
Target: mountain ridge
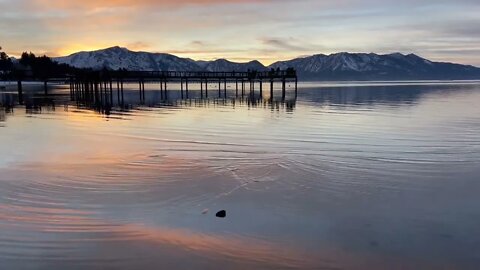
336,66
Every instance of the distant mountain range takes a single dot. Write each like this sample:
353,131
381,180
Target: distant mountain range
339,66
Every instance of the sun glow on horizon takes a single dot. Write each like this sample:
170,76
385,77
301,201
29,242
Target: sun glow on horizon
74,48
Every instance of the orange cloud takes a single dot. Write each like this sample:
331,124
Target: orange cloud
102,4
138,46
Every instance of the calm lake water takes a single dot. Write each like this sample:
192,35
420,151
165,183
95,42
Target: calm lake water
347,176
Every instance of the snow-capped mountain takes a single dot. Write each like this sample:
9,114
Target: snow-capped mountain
339,66
121,58
362,66
225,65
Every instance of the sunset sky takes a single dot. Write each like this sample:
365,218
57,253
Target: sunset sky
242,30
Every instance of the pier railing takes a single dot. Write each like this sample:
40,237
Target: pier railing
287,74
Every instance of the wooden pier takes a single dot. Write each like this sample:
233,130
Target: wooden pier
99,87
94,85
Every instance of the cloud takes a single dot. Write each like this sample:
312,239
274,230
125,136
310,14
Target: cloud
245,29
99,5
284,44
138,46
197,43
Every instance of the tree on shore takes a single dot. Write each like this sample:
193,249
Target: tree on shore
44,67
5,62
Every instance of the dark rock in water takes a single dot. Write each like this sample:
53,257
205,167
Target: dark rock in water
221,214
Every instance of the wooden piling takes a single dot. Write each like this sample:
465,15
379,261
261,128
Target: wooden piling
181,87
118,91
271,89
140,88
236,87
96,92
161,89
206,88
20,92
121,88
243,88
261,88
225,88
296,88
165,88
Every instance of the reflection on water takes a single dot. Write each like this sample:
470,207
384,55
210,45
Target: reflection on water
344,177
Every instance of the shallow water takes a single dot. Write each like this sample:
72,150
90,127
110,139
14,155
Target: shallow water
346,176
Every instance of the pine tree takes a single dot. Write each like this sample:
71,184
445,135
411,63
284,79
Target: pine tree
5,62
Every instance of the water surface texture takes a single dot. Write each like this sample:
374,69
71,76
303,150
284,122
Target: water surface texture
347,176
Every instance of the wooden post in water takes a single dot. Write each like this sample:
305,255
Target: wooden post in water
161,89
76,92
84,90
252,84
283,89
92,91
72,92
236,88
181,87
140,88
83,94
186,86
121,88
219,88
105,92
271,89
96,92
165,88
261,88
20,92
87,90
201,88
243,88
206,88
296,87
118,91
80,90
225,88
143,90
101,91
